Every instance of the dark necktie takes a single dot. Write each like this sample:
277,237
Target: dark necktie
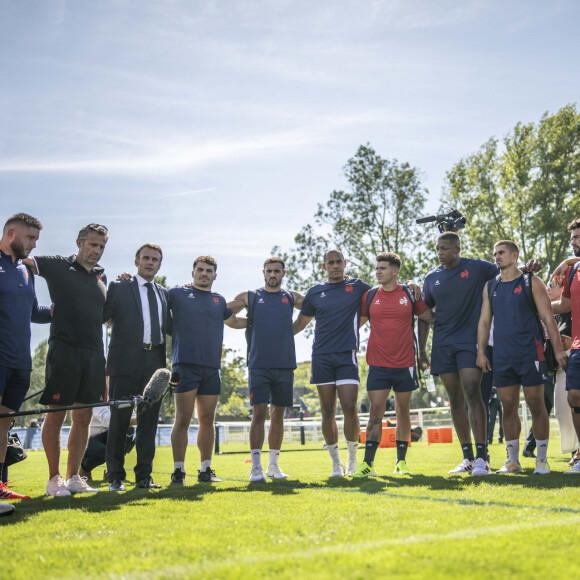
154,315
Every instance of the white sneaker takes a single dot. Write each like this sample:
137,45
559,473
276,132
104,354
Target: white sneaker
6,509
351,467
510,467
337,470
57,487
480,467
257,473
542,467
275,472
575,469
78,484
464,467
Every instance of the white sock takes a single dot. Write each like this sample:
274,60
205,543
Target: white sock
179,465
352,447
333,450
205,464
513,449
256,457
273,455
542,448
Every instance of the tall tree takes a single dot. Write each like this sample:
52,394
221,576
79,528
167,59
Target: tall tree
524,189
375,214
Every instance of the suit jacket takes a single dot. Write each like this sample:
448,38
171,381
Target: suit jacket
123,308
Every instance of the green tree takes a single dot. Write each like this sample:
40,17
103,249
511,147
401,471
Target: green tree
375,214
523,188
232,373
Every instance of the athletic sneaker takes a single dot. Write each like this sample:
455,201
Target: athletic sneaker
207,476
257,474
275,472
178,477
542,467
5,493
364,470
402,469
510,467
464,467
351,466
57,487
575,469
78,484
6,509
480,467
337,470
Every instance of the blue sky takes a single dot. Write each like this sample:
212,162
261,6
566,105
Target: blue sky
217,127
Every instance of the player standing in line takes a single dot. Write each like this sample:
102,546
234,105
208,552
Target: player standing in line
336,305
391,358
271,362
512,300
454,290
198,316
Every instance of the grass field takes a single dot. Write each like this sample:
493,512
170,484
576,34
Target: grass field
429,526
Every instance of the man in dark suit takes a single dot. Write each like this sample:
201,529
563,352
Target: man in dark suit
136,309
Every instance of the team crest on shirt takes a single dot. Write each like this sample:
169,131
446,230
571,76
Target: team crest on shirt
518,289
348,288
284,299
465,273
403,301
56,397
216,299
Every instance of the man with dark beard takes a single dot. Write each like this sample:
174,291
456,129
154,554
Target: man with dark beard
18,306
271,362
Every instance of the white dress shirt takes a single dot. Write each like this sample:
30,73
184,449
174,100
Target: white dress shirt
145,307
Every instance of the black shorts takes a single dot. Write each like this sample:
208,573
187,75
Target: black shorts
14,384
73,375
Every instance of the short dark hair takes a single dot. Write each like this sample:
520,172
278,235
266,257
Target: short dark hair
511,245
275,260
206,260
151,247
449,237
24,219
389,257
332,251
97,228
574,224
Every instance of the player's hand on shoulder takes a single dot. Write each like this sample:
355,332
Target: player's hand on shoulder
414,288
532,266
124,276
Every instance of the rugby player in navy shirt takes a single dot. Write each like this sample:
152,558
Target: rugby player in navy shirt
336,305
271,362
18,306
518,350
198,318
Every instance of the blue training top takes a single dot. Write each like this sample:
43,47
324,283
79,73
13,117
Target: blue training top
272,344
516,336
18,305
456,295
336,307
198,326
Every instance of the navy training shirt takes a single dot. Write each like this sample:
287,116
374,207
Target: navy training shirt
516,335
456,295
336,307
18,305
272,344
198,326
78,297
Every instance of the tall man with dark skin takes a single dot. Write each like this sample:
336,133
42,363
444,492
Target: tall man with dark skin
75,364
518,351
271,363
137,310
18,306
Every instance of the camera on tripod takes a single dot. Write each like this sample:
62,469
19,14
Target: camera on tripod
446,222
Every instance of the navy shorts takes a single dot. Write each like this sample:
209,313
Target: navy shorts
334,369
272,386
526,374
14,385
573,371
401,380
73,375
449,358
206,380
